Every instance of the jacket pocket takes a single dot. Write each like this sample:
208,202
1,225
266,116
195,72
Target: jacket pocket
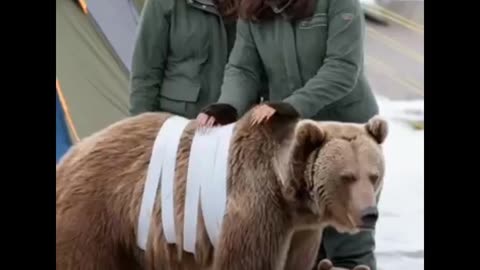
176,94
317,20
180,90
311,38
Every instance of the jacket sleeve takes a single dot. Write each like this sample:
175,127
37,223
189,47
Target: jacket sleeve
242,79
342,64
348,251
149,56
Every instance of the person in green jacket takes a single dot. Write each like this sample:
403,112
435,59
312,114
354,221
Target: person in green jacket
311,54
180,53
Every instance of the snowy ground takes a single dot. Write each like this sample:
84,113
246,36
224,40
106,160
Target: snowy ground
399,235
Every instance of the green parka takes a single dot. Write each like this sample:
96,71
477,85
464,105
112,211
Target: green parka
179,58
317,66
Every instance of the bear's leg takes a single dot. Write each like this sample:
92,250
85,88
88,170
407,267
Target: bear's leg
91,255
255,239
303,250
75,252
87,243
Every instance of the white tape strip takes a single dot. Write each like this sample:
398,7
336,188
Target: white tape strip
200,167
163,139
214,189
168,179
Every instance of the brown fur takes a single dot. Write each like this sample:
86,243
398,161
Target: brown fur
275,170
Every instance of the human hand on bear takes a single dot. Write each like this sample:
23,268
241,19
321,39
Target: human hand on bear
261,113
216,114
326,264
223,114
205,121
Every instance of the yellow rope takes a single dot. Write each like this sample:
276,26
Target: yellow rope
66,112
83,5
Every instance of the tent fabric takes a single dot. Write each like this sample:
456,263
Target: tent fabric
63,140
138,5
94,82
117,20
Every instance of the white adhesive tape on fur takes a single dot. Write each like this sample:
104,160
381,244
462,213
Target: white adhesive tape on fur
200,167
165,136
214,190
168,179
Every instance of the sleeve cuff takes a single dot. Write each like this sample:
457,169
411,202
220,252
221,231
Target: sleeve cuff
296,104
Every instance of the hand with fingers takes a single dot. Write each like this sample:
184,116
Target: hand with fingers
261,114
326,264
205,121
224,114
216,114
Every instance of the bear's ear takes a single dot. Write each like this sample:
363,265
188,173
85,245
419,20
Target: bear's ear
377,127
308,137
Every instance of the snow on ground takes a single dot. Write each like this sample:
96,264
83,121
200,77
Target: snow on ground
368,2
399,233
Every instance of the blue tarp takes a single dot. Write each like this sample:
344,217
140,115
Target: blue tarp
63,137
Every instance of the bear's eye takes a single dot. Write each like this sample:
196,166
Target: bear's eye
373,178
348,178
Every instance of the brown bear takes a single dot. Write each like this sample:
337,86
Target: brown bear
288,178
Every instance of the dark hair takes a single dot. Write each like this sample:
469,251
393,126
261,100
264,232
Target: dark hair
262,10
228,8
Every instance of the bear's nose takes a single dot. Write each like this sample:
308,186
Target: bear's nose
369,217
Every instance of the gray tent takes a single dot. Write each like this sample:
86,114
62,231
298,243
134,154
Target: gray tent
94,49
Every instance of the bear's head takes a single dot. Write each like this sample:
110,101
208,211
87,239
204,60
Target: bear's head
336,171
